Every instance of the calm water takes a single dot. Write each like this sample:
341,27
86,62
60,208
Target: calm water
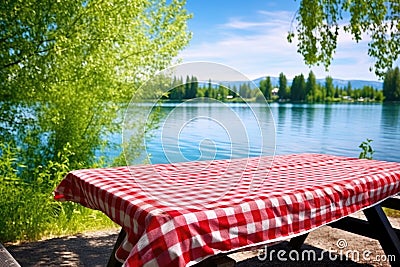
338,129
206,131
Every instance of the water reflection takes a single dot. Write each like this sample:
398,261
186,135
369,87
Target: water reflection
297,116
390,117
327,117
280,122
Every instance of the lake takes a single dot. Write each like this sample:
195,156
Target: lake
201,131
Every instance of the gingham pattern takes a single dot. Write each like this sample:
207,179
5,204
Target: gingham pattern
297,194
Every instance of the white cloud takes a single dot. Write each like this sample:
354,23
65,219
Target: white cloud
264,21
235,23
259,47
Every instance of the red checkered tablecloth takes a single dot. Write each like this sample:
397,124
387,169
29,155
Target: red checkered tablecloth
224,205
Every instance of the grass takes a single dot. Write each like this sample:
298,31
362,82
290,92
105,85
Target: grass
82,220
27,209
27,215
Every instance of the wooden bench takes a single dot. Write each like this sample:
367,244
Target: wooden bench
6,259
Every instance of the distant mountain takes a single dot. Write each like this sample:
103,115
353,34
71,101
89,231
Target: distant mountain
355,84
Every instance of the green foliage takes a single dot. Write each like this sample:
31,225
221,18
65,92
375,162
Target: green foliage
330,89
310,91
320,22
27,208
348,89
222,93
75,65
266,87
301,90
282,93
178,90
209,92
298,89
379,96
311,87
184,90
245,90
391,85
367,150
67,72
191,89
194,86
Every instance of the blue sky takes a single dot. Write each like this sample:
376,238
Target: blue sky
250,36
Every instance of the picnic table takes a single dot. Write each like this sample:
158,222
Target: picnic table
294,194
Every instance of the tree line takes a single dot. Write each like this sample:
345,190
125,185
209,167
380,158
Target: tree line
191,88
308,89
302,89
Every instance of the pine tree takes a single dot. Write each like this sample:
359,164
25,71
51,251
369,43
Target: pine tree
266,87
298,89
330,90
349,89
311,87
193,88
282,86
391,85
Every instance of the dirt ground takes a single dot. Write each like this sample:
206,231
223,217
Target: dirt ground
323,247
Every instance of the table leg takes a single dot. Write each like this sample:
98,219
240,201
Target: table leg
386,234
113,262
217,261
298,241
